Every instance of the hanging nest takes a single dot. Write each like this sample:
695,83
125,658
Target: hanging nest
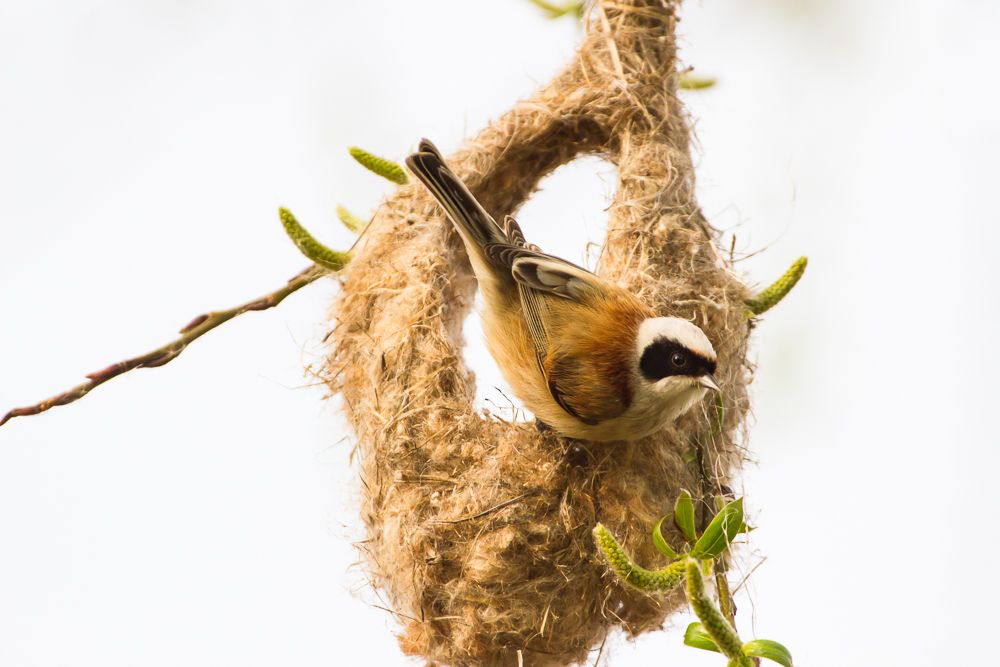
479,530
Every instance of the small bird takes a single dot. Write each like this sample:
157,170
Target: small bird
590,360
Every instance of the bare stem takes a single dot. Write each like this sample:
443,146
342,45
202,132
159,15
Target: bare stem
198,327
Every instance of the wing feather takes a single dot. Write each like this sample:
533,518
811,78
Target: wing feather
536,315
540,278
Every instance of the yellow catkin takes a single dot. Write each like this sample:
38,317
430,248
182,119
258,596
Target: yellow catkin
778,290
351,221
378,165
310,247
650,581
716,626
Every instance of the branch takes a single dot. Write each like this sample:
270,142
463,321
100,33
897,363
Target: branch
164,355
326,261
715,633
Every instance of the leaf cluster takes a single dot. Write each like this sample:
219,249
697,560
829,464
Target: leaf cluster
712,543
714,631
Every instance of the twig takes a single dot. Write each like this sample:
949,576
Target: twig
161,356
744,579
600,650
495,508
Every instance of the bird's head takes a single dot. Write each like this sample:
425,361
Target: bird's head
674,364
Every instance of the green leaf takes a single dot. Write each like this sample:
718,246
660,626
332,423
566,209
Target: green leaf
720,502
721,532
765,648
697,637
684,516
661,543
736,524
720,415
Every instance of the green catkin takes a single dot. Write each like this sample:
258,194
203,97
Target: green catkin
351,221
379,165
711,618
777,291
661,580
689,81
555,11
310,247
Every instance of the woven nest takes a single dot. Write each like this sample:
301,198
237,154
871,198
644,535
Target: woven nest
479,530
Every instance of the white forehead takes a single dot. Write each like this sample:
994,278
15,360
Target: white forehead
676,329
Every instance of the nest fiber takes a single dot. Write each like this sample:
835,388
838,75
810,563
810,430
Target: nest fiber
479,530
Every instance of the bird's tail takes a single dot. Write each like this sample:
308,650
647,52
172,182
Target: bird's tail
476,225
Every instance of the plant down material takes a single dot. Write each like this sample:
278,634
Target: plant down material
479,530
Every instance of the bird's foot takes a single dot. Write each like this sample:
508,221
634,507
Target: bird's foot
542,426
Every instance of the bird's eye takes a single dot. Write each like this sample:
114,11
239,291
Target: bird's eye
678,359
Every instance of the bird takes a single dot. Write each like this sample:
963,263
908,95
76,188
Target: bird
589,359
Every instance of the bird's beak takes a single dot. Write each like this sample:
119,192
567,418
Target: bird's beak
709,382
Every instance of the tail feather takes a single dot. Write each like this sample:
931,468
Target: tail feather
476,225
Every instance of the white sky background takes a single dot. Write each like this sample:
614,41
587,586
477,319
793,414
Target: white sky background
201,513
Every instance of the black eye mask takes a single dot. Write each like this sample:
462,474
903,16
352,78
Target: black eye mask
659,360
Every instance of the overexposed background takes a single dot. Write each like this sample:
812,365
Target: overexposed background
202,513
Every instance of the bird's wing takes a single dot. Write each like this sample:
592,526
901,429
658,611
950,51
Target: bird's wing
514,234
540,277
550,275
581,387
543,272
